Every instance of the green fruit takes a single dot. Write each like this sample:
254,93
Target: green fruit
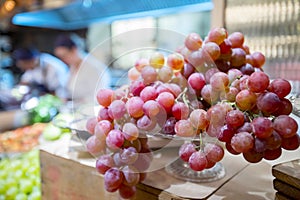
51,132
11,193
21,196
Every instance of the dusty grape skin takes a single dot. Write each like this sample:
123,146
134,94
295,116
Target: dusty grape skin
102,128
291,143
175,61
226,133
219,81
217,35
272,154
197,161
90,124
268,103
245,100
281,87
213,152
212,49
242,142
235,118
126,191
180,111
285,126
184,128
114,139
104,163
196,81
105,97
117,109
252,156
236,39
193,41
238,57
258,59
134,107
94,145
198,119
113,178
186,150
258,82
156,60
262,127
285,108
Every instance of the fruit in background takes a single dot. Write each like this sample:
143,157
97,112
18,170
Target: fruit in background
20,178
52,132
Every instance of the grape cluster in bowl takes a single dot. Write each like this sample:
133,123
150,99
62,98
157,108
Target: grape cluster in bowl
207,88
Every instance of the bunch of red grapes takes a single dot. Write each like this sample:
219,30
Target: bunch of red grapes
210,88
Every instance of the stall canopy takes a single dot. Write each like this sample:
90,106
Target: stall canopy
81,13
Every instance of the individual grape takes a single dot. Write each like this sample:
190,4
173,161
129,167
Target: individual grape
217,35
113,179
187,70
268,103
136,87
104,163
226,133
117,161
285,108
193,41
166,100
262,127
133,74
145,123
225,46
180,111
134,106
186,150
260,145
117,109
219,81
212,49
235,118
236,39
214,129
258,59
141,63
252,156
242,142
115,139
272,154
157,60
128,155
238,57
105,97
131,175
210,164
169,126
149,75
94,146
130,131
196,81
285,126
126,191
291,143
175,61
198,119
151,108
245,100
230,149
184,128
274,141
102,128
197,161
223,65
213,152
185,52
281,87
103,114
90,124
165,74
249,59
258,82
247,69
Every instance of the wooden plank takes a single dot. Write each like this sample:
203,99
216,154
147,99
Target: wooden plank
280,196
288,172
286,189
65,179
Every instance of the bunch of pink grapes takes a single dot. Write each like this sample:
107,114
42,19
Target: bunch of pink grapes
207,88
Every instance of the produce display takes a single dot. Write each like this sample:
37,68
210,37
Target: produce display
20,177
21,139
211,88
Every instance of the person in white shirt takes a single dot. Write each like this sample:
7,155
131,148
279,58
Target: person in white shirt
87,73
42,70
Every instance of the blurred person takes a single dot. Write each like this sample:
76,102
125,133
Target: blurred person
42,71
87,73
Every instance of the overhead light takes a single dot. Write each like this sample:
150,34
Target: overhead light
9,5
